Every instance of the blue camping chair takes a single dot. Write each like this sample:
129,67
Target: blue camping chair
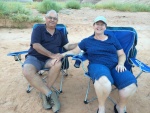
127,36
65,63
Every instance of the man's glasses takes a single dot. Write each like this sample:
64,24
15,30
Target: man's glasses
52,18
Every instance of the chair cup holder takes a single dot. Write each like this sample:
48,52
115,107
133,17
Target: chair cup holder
17,58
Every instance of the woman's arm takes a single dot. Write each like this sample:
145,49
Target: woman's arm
121,60
121,57
74,51
69,46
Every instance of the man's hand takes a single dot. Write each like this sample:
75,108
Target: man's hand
120,68
57,56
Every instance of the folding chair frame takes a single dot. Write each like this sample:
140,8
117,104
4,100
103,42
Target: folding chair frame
17,57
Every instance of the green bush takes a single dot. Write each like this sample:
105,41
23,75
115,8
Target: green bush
73,4
132,7
32,5
17,7
90,5
47,5
2,9
17,12
62,4
140,8
9,8
19,17
36,19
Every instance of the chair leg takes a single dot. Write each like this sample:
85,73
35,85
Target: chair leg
112,100
87,92
61,82
125,109
86,101
62,79
57,91
64,73
29,88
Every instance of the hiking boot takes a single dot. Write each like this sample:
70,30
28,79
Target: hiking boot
45,103
55,103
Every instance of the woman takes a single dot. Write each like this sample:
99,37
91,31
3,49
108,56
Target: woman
106,66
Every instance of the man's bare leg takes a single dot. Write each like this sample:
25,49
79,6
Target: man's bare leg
52,76
30,73
53,73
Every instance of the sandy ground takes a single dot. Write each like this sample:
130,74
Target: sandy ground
13,96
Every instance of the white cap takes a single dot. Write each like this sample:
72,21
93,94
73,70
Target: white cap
100,18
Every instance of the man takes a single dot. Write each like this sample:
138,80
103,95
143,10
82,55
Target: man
46,42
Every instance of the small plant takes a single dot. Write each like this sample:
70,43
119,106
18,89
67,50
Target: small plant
47,5
73,4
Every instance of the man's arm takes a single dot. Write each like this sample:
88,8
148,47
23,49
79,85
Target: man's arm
69,46
40,49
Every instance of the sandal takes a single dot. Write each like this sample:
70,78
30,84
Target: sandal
115,109
97,110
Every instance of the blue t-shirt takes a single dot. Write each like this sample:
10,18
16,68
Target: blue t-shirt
53,43
101,52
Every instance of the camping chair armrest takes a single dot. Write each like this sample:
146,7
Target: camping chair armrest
79,59
69,55
17,55
141,65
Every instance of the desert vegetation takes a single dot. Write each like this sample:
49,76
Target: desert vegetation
20,12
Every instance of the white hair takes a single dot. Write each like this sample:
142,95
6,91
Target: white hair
51,11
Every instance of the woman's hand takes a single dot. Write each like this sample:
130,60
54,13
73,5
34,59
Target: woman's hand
120,68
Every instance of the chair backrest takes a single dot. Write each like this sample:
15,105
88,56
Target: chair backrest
127,37
60,27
